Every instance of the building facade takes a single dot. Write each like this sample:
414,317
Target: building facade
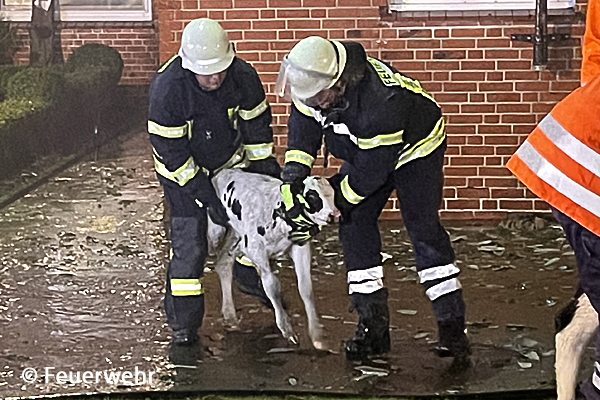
462,51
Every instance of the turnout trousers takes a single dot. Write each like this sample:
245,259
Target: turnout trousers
184,299
419,186
586,246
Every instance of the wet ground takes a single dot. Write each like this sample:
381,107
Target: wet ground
82,280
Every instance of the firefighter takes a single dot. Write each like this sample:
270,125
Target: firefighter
560,163
207,111
390,134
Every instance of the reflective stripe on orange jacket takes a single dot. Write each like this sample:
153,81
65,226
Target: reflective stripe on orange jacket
590,62
560,161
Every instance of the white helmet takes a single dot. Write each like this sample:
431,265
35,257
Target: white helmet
205,48
312,65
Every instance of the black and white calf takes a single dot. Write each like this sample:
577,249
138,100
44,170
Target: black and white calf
576,325
258,232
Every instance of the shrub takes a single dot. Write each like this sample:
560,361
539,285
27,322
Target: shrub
33,83
94,65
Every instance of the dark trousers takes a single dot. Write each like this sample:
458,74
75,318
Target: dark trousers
586,246
419,187
189,249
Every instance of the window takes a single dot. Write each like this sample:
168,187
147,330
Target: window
82,10
473,5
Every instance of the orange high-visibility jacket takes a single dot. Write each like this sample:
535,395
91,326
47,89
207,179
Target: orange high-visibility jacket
560,160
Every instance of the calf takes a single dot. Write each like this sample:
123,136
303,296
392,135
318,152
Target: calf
259,232
576,325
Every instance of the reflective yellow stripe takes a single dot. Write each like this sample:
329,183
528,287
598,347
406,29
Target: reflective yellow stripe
255,112
182,175
300,157
169,61
386,139
170,132
186,287
287,197
389,78
425,146
259,151
244,261
350,194
303,108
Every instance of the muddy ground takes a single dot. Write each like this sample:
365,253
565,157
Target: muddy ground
82,280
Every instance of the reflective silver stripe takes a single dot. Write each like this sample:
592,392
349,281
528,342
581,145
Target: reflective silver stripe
244,261
170,132
443,288
255,112
350,194
259,151
300,157
186,287
560,182
440,272
595,377
387,139
572,146
365,287
182,175
365,274
426,146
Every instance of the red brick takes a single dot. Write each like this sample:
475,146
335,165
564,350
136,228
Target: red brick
414,33
318,14
494,43
514,108
449,54
475,54
250,3
423,54
318,3
441,33
522,75
508,193
242,14
468,76
493,32
339,23
293,13
303,24
460,171
398,55
443,65
502,54
353,3
556,97
285,3
458,43
516,204
473,192
462,204
409,65
496,87
207,4
423,44
477,150
477,65
453,181
501,182
268,24
260,35
468,32
503,97
464,119
477,108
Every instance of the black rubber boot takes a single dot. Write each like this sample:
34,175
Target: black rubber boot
372,335
453,341
184,337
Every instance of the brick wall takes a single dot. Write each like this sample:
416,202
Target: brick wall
137,43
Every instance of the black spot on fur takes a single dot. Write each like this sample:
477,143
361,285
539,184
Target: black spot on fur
261,230
274,224
230,186
224,196
315,203
245,240
236,209
565,315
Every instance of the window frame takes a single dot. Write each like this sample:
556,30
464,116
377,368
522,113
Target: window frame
80,14
474,5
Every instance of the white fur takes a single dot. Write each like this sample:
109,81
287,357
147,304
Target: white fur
259,196
571,343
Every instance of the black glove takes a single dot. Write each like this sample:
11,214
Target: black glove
215,209
339,200
293,171
266,166
294,210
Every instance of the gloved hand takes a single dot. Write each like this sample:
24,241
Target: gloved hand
295,213
214,208
266,166
339,200
293,171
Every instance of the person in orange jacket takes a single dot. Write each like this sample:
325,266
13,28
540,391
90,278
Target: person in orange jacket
560,163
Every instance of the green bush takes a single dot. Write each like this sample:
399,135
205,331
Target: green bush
35,83
14,109
93,65
6,72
